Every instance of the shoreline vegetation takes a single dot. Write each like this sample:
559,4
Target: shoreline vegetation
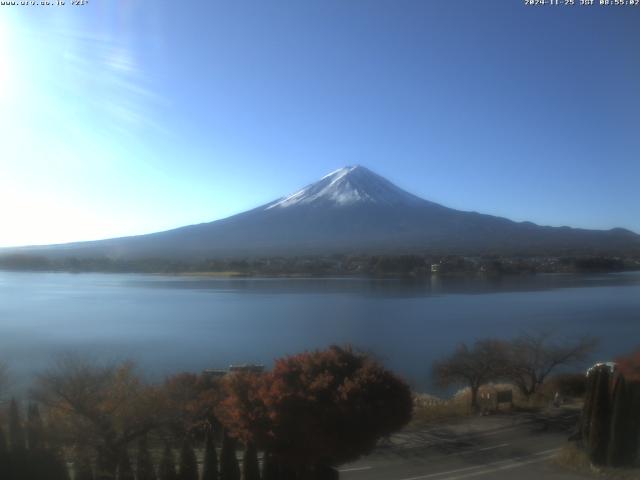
99,420
373,266
310,412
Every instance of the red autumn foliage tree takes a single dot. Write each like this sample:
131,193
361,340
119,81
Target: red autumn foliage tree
243,412
190,402
331,406
629,366
318,408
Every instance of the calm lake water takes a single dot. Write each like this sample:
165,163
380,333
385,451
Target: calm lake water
169,324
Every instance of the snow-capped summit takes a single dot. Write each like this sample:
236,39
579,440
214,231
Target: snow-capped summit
347,186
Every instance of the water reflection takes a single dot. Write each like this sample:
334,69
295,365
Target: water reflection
173,323
428,286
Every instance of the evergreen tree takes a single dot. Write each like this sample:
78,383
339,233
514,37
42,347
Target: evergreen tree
619,414
587,409
229,469
16,431
125,472
250,468
62,467
106,467
287,472
600,417
632,441
188,462
167,465
324,472
83,470
3,442
624,434
4,455
144,464
210,467
269,467
18,463
35,428
55,465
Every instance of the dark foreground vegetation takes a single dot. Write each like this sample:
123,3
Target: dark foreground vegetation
609,431
415,266
608,434
309,413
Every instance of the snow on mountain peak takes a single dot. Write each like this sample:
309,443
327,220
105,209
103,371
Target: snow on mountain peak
348,186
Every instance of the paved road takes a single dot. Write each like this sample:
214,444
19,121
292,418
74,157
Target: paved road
506,446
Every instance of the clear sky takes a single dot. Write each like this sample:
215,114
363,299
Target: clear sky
125,117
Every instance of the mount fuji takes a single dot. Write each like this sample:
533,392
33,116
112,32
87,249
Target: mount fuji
352,210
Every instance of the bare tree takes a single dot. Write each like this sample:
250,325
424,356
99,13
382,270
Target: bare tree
533,356
473,367
101,406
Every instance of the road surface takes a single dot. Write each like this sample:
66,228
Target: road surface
500,447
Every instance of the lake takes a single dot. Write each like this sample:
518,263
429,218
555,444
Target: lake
175,323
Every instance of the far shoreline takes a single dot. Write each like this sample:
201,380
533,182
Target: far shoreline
398,265
327,276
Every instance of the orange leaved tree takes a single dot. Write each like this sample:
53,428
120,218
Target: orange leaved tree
317,409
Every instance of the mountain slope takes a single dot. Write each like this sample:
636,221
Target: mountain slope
353,210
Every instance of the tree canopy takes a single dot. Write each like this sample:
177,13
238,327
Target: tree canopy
526,361
103,406
473,366
629,366
318,408
533,356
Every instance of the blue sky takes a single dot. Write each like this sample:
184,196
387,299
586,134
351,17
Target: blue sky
122,117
